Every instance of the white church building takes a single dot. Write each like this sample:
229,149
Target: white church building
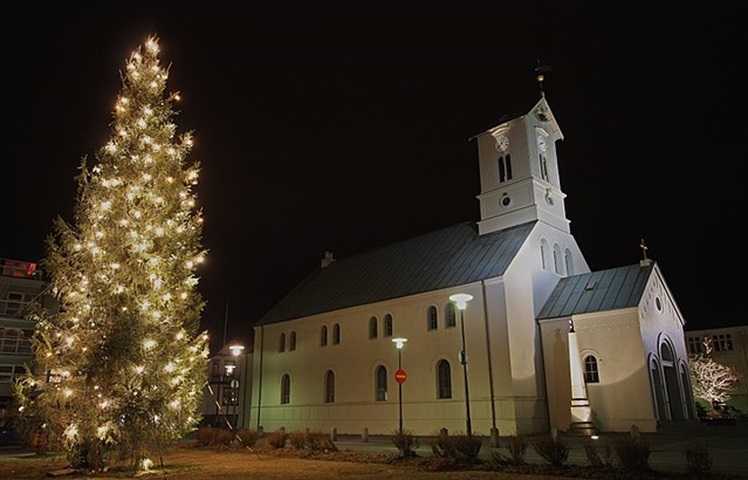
546,343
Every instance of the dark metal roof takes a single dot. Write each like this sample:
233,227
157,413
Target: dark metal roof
611,289
445,258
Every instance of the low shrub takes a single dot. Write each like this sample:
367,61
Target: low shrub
551,449
248,437
461,447
517,448
633,454
210,436
598,456
278,438
405,442
296,440
698,461
317,441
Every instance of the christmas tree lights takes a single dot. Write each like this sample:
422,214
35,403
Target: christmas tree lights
121,367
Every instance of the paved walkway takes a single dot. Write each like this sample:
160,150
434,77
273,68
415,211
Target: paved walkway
727,445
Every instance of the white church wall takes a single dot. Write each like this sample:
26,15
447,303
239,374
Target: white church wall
354,362
622,397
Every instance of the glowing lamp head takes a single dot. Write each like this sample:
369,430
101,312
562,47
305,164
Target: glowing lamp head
399,342
461,300
236,349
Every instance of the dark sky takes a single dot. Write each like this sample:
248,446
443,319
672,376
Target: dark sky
345,126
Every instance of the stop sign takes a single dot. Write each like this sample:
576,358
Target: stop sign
400,376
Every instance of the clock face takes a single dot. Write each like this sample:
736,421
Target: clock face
542,143
502,143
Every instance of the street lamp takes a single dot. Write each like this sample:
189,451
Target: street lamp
461,300
400,375
236,350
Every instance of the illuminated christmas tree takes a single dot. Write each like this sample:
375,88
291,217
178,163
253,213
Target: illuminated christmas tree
121,367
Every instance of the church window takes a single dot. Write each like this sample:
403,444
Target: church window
285,389
381,383
443,380
557,266
568,262
336,334
591,374
292,342
431,318
505,168
544,253
722,342
323,336
388,325
373,327
329,387
543,168
282,346
695,345
449,315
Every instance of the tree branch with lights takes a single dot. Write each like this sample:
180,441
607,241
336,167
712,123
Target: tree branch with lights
122,365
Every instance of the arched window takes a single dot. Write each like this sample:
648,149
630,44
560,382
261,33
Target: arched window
282,346
544,168
381,383
286,389
323,336
591,374
443,380
505,168
292,342
373,327
431,318
569,262
449,315
336,334
329,387
388,325
557,265
544,253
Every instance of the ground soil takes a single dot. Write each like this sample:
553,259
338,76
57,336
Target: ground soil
190,462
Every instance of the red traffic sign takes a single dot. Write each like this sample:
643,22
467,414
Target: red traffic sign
400,376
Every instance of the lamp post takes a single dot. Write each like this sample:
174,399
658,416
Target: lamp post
461,300
236,350
400,376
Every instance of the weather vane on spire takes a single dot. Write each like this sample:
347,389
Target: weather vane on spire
644,262
540,71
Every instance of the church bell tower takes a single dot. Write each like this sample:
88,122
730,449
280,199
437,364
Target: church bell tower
519,172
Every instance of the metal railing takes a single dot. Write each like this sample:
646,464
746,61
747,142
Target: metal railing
19,269
15,344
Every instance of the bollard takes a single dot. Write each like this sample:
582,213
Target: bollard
334,434
365,435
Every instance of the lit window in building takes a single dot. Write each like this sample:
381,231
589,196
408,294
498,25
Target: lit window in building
381,384
373,327
722,342
695,345
388,325
286,389
323,336
591,374
431,318
443,380
329,387
450,320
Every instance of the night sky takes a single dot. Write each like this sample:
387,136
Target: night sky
345,127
